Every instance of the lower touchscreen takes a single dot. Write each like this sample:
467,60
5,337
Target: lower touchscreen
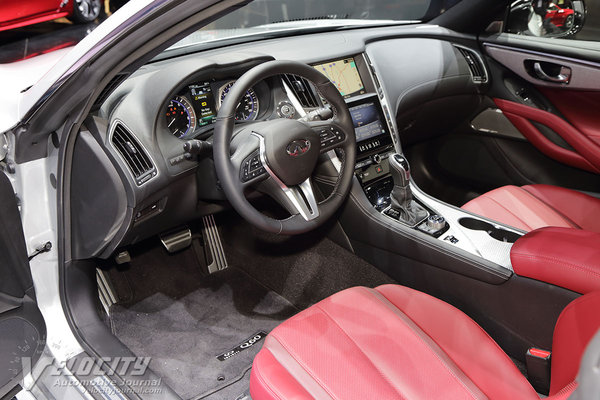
367,122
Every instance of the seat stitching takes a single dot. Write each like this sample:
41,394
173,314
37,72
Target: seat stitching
428,346
304,366
563,216
385,378
568,388
510,212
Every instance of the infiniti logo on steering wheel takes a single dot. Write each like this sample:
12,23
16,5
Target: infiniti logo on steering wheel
298,147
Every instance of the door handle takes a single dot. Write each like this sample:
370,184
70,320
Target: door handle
564,76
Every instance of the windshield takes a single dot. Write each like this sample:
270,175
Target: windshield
277,17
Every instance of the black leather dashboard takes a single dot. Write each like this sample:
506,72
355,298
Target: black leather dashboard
414,65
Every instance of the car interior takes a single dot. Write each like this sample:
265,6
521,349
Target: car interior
339,214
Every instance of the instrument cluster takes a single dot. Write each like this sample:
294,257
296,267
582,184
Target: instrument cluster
197,105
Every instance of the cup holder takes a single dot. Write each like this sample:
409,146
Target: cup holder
497,233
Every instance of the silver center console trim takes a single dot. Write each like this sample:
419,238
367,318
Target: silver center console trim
478,243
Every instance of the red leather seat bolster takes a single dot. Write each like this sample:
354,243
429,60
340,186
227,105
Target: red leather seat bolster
564,257
580,208
386,343
536,206
516,207
574,329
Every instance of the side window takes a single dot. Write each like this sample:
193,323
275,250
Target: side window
567,19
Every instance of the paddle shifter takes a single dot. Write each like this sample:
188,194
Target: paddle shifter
403,207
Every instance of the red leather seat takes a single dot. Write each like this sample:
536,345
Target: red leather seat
536,206
393,342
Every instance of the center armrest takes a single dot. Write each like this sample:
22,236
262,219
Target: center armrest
564,257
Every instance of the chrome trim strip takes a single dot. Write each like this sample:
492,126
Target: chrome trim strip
390,121
294,100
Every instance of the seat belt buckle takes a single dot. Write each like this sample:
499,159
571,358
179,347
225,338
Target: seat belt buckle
538,369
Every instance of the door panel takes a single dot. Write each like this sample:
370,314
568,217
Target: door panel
586,153
22,328
562,121
580,108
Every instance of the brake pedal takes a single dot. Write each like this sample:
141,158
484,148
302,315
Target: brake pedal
212,239
175,241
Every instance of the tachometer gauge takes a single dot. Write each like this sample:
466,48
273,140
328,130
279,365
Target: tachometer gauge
180,117
247,109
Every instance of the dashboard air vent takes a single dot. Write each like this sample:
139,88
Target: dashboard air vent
133,154
303,90
475,64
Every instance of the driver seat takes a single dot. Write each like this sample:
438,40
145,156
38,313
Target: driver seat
393,342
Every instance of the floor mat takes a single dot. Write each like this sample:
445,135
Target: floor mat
304,268
184,335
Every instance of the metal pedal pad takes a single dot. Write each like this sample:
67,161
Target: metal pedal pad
212,240
106,291
178,240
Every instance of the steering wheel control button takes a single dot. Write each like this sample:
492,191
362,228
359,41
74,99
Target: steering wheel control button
330,136
252,168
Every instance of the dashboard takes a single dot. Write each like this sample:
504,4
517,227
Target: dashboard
150,185
193,110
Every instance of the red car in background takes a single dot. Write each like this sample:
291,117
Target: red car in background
18,13
560,16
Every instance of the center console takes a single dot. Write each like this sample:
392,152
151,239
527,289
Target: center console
384,176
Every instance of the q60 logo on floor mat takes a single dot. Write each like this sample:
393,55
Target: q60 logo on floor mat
251,341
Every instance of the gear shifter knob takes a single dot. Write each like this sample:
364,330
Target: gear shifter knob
403,207
400,170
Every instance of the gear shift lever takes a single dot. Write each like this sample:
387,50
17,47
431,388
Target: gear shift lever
403,205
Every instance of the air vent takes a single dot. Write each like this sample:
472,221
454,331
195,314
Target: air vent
133,154
475,64
303,90
108,89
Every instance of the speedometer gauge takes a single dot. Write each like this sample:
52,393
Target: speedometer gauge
180,117
247,110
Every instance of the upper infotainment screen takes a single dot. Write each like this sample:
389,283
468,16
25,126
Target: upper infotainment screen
367,122
344,75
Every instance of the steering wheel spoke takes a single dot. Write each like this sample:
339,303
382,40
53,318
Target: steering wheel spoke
302,198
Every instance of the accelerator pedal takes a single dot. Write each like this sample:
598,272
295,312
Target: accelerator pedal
212,241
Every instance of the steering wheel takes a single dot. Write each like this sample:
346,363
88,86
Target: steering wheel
278,157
